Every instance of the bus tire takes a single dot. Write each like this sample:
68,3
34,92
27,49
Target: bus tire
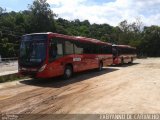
100,66
68,72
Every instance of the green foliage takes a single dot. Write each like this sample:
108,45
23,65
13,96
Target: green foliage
40,18
151,41
7,49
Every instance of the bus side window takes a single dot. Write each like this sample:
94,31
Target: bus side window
69,48
96,49
114,51
78,48
56,49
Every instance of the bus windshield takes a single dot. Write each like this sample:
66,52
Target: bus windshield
33,50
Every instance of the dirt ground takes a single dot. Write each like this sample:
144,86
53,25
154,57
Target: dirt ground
131,88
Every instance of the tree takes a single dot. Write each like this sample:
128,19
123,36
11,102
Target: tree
41,17
2,11
151,41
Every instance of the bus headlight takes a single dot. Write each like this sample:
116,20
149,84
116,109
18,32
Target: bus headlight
42,68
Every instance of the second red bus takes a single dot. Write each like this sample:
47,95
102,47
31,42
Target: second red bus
123,54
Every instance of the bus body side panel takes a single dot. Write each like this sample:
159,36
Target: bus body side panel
91,61
107,59
56,68
79,63
85,62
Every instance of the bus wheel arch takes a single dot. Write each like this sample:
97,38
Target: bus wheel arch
68,71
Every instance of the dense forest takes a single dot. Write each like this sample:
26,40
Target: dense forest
40,18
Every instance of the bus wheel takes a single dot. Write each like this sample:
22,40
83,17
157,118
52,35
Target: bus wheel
68,72
100,66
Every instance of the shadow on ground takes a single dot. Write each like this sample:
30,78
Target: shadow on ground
60,82
125,65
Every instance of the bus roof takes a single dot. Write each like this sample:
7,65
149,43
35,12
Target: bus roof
78,38
124,46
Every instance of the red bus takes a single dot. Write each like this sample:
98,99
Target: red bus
123,54
45,55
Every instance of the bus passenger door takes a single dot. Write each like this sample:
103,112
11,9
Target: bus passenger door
79,57
55,57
